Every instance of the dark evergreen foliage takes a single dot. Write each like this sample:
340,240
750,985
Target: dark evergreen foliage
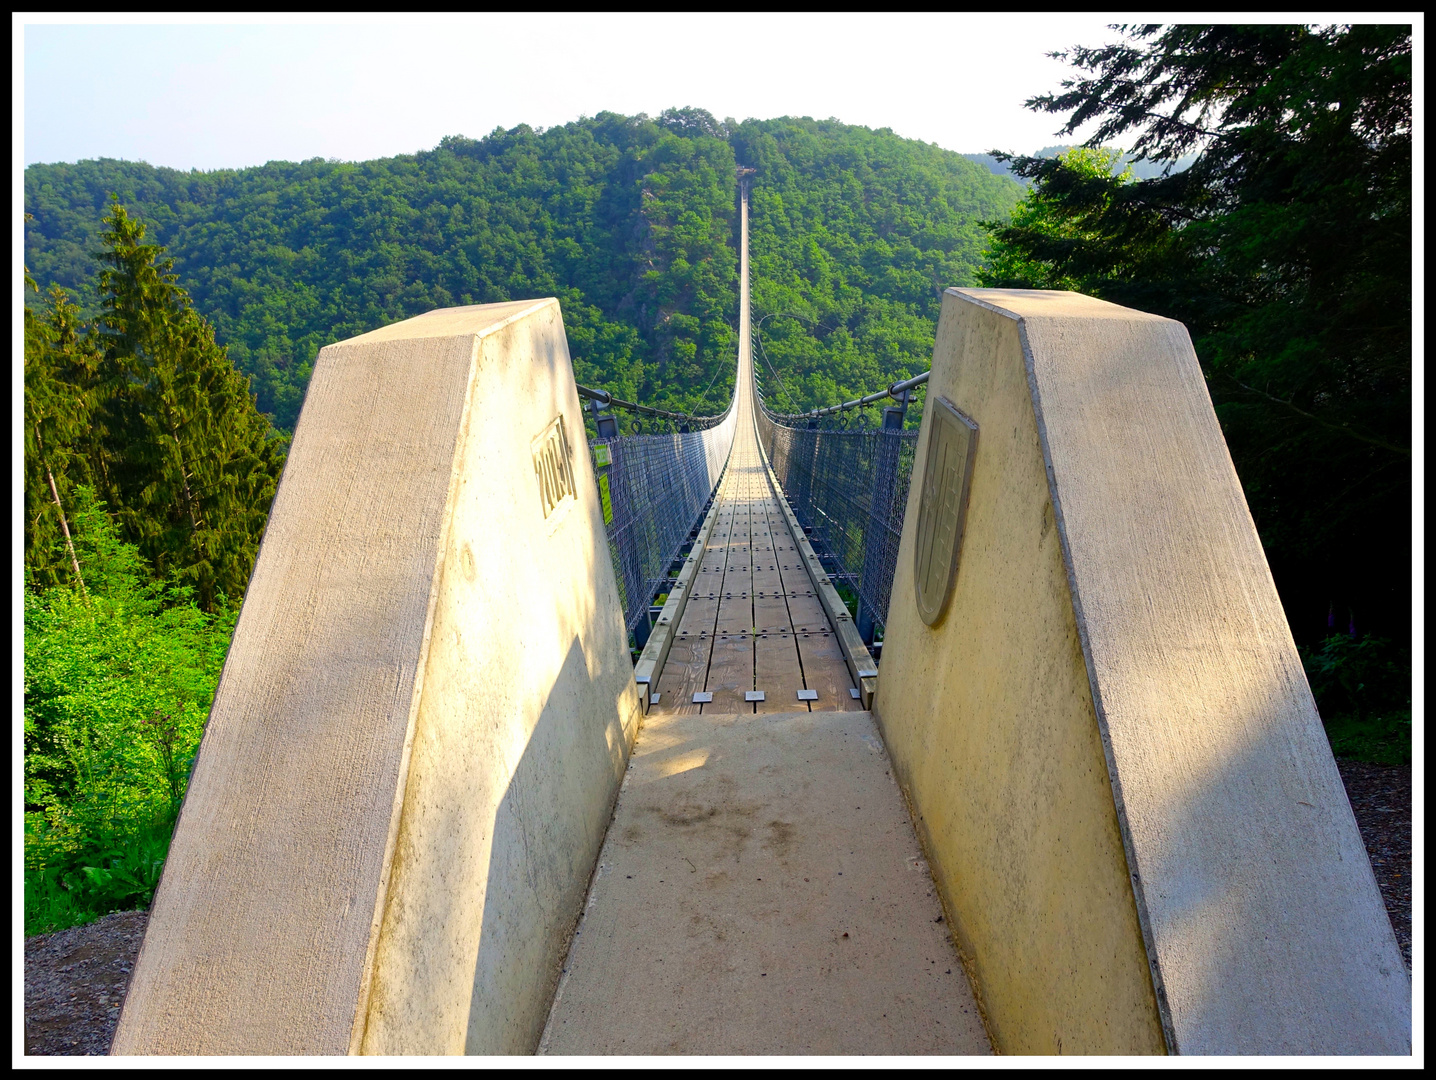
61,362
144,406
186,460
1286,250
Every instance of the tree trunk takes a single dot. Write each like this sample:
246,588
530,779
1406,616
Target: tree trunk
65,528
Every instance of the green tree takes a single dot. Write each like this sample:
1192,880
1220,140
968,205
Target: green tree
185,459
1041,220
1286,250
61,360
117,685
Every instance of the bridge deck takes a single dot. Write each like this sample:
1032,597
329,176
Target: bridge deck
752,622
760,889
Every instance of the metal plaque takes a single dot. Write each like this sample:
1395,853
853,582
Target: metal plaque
951,450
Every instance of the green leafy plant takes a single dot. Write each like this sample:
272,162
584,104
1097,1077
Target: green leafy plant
162,730
1362,687
82,885
117,686
123,877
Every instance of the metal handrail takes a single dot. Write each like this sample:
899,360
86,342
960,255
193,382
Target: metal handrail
606,398
894,391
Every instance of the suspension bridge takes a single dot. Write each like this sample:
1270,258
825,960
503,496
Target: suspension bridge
525,749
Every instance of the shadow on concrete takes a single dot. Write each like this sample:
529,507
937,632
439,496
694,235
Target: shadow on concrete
542,854
1289,899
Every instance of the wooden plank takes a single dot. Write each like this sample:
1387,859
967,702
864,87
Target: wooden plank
735,610
808,615
767,578
822,665
735,615
699,616
776,672
685,672
826,671
770,615
709,579
767,584
766,575
730,674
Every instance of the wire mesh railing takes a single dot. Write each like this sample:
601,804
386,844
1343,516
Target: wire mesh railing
848,485
654,486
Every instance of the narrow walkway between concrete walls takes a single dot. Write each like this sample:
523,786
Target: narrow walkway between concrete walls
761,889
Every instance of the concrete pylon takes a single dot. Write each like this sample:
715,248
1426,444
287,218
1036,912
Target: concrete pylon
422,722
1099,715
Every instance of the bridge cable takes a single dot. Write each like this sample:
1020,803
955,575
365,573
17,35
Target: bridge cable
758,334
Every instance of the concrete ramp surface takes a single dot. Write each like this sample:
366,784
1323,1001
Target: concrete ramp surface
761,891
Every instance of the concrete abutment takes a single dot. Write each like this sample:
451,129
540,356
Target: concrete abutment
1108,741
402,789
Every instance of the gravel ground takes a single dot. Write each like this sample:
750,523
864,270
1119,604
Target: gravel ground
75,980
1381,797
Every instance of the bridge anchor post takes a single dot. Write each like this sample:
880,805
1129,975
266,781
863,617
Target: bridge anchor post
402,790
1092,698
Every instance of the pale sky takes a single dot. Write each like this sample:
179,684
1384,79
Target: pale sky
214,95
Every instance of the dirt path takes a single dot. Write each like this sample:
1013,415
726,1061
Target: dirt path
1381,797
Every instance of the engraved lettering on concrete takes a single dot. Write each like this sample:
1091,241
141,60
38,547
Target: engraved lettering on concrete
552,467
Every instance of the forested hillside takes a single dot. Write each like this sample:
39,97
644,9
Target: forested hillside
853,236
630,221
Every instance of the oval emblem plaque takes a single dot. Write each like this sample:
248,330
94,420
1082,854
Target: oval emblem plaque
951,450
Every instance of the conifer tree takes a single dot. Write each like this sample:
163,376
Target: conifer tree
185,458
60,366
1286,250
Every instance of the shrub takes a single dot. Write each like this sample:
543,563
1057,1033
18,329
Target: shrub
1362,687
118,684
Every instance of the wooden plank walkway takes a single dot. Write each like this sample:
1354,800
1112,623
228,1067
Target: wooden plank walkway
761,889
753,625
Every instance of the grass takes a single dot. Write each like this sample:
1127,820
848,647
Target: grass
1382,740
92,883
